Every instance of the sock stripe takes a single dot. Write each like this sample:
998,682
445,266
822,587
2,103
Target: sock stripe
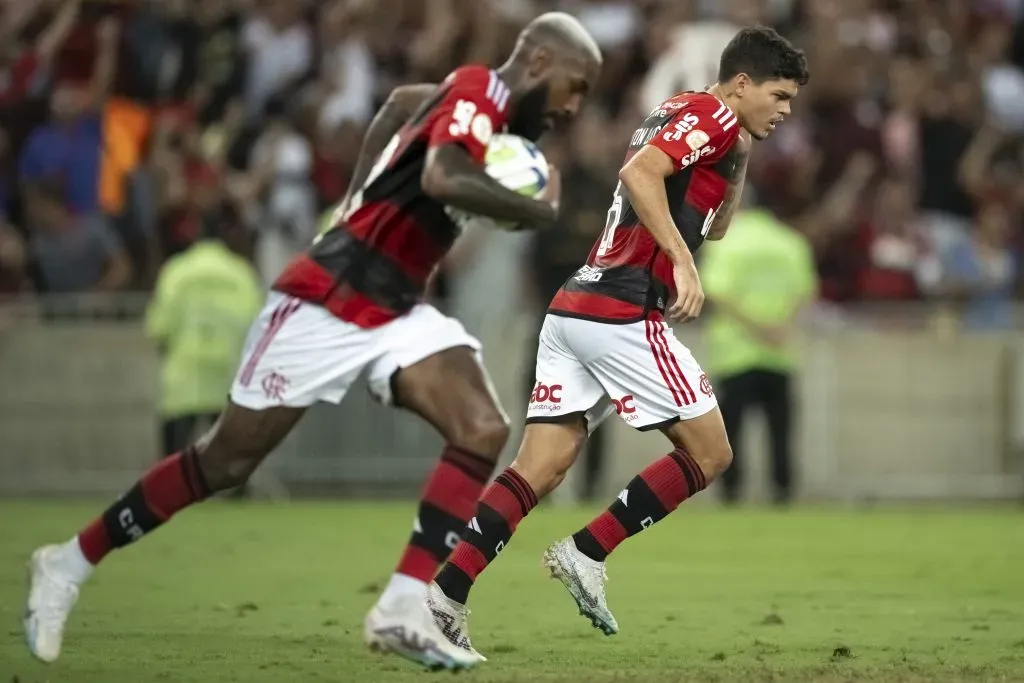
691,470
523,490
473,465
506,484
468,559
691,482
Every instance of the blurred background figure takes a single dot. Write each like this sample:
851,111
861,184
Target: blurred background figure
758,281
204,301
126,124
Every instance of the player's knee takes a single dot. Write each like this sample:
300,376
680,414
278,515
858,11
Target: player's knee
717,459
225,465
485,433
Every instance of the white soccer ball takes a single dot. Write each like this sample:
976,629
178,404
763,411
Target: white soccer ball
516,163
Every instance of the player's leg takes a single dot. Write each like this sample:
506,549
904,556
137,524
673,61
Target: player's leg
432,368
654,375
451,391
734,394
221,460
565,400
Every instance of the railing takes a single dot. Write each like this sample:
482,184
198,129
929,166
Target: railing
893,403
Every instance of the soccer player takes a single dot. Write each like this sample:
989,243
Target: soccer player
354,301
605,345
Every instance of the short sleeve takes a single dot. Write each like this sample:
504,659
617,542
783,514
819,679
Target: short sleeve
473,108
703,128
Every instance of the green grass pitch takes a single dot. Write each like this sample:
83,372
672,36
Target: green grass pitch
273,594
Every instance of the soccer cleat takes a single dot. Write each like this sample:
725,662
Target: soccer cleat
584,578
50,599
406,628
452,618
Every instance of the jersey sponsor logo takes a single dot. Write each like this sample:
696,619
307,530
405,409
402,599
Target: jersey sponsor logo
482,128
696,139
625,405
695,156
681,127
588,274
543,393
625,408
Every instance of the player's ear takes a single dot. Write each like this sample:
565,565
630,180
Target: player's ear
742,82
540,60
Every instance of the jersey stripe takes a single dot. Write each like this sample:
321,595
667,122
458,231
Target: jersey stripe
497,91
726,117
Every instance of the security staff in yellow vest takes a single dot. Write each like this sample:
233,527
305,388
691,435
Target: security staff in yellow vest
204,301
758,278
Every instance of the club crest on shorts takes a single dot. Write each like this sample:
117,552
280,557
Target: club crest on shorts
705,385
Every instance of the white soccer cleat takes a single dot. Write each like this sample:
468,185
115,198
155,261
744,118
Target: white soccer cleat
585,579
452,618
51,596
406,628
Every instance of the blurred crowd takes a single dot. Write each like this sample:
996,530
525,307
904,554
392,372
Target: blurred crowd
131,129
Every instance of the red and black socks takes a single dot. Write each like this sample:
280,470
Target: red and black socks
447,504
502,507
170,485
658,490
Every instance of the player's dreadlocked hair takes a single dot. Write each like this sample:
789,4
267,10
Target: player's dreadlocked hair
764,55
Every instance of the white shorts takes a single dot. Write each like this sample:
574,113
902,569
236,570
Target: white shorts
639,370
298,353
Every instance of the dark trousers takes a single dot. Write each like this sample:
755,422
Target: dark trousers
180,432
772,392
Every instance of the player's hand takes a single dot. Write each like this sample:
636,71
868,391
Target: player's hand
689,293
552,192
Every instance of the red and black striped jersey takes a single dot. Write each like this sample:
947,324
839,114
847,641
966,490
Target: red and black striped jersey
374,264
626,274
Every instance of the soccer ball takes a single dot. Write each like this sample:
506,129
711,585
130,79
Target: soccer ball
516,163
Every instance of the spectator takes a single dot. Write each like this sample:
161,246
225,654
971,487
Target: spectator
279,48
68,149
21,67
279,192
74,252
981,272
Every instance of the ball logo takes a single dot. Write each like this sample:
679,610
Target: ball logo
705,385
625,405
542,393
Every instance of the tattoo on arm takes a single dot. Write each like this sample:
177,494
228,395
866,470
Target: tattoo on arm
451,176
735,173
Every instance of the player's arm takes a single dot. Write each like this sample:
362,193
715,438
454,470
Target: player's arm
401,104
453,177
733,194
643,176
